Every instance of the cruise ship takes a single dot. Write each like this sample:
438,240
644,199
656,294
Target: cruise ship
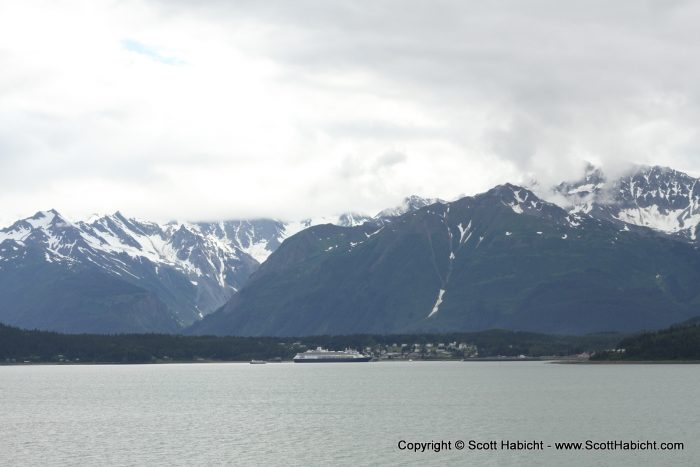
321,355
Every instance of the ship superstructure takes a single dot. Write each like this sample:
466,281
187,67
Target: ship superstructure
321,355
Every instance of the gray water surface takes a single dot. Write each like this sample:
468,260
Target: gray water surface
342,414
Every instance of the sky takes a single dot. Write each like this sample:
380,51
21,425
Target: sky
191,110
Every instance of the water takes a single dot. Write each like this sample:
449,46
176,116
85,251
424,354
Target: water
342,414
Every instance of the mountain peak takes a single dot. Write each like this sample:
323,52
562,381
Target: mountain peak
511,192
409,203
658,171
351,219
592,182
658,197
44,214
520,200
120,216
46,219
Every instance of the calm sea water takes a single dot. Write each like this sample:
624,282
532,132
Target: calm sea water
342,414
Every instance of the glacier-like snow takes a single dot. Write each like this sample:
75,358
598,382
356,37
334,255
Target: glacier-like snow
438,302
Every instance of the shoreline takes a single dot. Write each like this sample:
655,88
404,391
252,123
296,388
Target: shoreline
545,359
630,362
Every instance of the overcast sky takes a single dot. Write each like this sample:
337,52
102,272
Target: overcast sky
204,110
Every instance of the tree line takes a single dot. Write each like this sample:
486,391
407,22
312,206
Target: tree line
679,342
18,345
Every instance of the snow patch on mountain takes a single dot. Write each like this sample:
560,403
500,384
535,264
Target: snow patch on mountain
464,231
438,302
671,221
515,207
41,219
15,232
659,198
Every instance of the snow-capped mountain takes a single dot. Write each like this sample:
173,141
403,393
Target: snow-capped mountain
426,257
117,274
410,203
189,269
500,259
191,272
660,198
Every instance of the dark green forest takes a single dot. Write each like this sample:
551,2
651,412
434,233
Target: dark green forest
679,342
18,346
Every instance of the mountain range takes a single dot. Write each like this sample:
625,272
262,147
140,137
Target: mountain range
117,274
612,254
618,255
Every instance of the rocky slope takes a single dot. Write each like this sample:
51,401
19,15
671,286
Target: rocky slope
660,198
615,254
502,259
151,277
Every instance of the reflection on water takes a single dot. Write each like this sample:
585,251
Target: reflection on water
343,414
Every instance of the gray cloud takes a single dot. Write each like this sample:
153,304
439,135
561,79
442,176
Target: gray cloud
581,74
311,97
389,159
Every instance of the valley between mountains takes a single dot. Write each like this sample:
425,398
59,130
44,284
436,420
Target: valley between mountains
611,255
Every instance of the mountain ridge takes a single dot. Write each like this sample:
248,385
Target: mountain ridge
528,258
183,271
186,269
